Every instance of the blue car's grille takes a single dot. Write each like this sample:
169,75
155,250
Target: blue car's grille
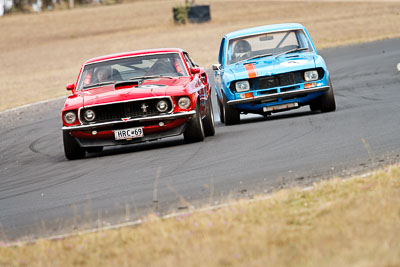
279,80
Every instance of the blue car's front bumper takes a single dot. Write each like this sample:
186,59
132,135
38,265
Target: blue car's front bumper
256,103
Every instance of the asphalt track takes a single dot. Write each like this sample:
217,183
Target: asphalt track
41,193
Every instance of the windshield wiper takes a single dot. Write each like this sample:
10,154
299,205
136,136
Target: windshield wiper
150,77
98,84
259,56
291,51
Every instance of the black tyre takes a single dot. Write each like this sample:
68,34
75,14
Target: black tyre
326,102
221,112
72,149
94,149
231,115
194,131
208,121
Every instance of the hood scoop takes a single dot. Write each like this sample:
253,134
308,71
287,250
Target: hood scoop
126,84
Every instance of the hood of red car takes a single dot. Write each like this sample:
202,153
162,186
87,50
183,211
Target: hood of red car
129,91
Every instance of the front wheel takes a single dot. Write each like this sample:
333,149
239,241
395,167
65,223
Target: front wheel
221,111
326,102
208,121
72,150
231,115
194,131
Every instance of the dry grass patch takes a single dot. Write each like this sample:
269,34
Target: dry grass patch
40,53
338,223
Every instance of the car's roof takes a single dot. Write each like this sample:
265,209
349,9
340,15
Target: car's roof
265,28
134,53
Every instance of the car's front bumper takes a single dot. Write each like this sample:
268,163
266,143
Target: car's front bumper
102,134
278,96
121,122
96,142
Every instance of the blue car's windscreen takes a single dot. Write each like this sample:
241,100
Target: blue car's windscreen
274,43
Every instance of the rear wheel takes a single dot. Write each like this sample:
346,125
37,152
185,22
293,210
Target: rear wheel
326,102
231,115
72,149
208,121
194,131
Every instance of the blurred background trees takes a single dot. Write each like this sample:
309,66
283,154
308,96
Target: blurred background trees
26,6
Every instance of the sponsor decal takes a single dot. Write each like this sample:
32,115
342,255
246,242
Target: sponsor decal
251,70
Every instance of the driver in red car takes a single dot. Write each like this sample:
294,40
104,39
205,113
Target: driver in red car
103,74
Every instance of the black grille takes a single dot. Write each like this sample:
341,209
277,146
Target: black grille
287,89
132,109
279,80
268,82
269,92
286,79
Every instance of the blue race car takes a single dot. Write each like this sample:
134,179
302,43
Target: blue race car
270,69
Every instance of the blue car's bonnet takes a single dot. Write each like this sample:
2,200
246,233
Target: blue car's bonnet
271,65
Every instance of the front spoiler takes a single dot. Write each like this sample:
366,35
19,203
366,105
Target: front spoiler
111,123
279,95
148,137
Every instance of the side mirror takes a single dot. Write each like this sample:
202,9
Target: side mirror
195,70
216,66
70,87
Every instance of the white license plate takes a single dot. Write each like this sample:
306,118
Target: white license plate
128,133
280,107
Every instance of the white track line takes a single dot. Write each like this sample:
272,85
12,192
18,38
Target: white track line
398,67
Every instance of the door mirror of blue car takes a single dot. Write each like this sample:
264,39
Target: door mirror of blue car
216,66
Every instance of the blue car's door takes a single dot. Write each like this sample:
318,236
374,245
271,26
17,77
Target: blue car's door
219,73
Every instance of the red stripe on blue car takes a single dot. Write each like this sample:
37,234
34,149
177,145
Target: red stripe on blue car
251,70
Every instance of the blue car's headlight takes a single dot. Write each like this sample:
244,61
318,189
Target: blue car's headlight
242,86
311,75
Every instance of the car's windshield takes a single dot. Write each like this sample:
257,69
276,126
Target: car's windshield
266,44
126,69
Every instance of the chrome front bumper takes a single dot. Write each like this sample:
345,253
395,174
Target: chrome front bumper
278,95
110,123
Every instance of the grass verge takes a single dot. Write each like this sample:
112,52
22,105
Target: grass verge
354,222
41,53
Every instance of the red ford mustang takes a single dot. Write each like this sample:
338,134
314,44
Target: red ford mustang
135,97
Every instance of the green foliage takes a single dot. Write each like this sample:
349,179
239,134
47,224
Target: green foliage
181,13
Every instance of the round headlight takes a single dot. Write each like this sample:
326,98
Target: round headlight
89,115
242,86
70,117
311,75
184,102
162,106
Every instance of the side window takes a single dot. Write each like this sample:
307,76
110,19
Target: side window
303,40
189,61
221,51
